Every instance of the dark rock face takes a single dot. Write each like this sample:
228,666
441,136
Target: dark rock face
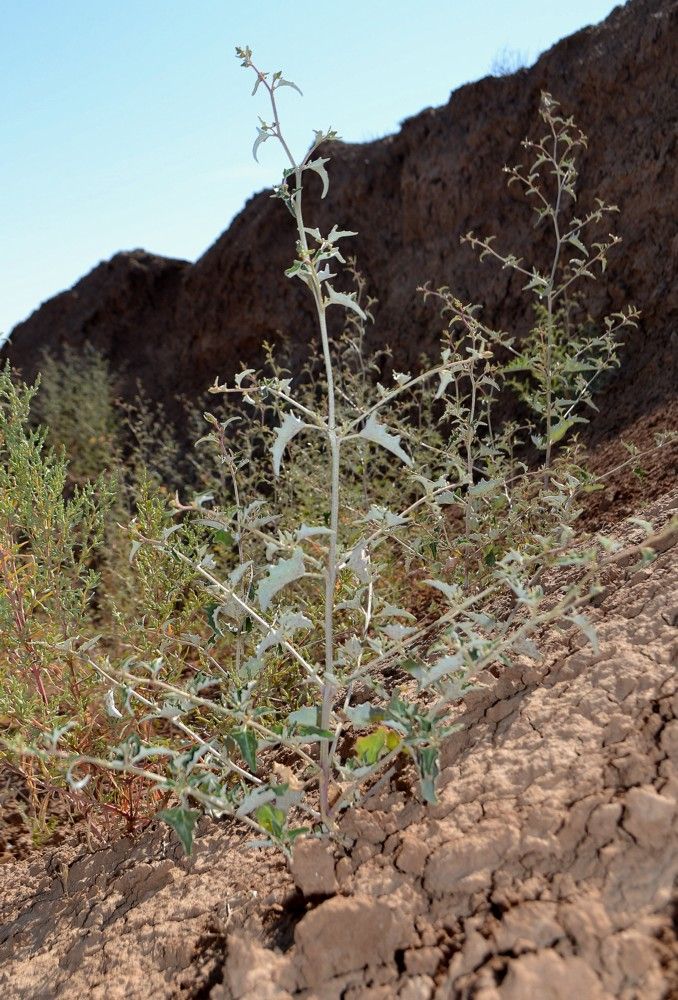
176,326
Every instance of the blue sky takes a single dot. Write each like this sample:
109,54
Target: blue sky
129,123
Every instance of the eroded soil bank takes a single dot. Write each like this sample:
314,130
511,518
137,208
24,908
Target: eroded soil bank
546,871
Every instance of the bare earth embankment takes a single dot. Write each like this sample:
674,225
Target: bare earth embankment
546,871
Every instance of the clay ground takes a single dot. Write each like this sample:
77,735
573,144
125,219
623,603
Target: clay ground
547,870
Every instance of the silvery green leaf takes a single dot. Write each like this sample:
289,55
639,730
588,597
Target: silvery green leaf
314,233
109,705
391,611
53,738
182,821
237,574
342,299
376,432
167,711
576,242
397,632
170,531
147,752
585,626
243,374
445,665
324,274
428,484
66,644
262,135
536,281
401,378
482,619
338,234
308,531
359,562
289,623
364,715
484,488
253,666
349,652
446,377
255,799
287,83
290,426
318,165
381,515
208,522
86,646
280,575
252,508
286,797
452,591
307,716
428,764
77,784
272,549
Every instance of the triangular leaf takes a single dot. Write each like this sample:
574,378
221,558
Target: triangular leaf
288,83
342,299
318,166
247,744
290,426
183,821
376,432
559,430
283,572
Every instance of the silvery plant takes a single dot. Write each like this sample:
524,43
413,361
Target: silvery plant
371,543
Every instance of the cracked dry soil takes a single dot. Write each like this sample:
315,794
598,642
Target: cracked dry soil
547,870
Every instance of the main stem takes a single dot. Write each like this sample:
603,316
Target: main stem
329,687
550,320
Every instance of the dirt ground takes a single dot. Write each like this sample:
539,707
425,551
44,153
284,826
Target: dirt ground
546,871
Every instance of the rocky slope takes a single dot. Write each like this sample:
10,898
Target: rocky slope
546,871
410,196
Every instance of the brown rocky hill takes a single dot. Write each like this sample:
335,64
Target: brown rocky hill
175,325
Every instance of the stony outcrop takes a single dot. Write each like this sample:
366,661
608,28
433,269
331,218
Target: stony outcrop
175,325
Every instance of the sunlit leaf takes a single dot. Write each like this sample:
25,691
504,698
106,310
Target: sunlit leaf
318,165
182,821
280,575
247,744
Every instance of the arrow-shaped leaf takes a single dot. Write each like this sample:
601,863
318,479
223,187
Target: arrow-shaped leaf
183,821
290,426
247,744
341,299
283,572
318,166
377,433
